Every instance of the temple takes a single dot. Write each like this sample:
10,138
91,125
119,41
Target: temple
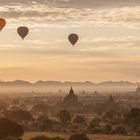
71,100
95,93
111,105
111,101
138,89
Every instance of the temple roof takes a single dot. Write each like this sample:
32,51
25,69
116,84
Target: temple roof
71,96
71,92
111,100
138,89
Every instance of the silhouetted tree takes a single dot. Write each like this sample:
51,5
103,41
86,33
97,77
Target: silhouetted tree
41,108
9,128
64,116
132,118
18,115
57,138
108,129
40,138
46,138
46,124
79,119
108,115
79,137
138,132
3,107
11,138
119,130
95,123
42,118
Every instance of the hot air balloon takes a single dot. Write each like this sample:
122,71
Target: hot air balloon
73,38
2,23
23,31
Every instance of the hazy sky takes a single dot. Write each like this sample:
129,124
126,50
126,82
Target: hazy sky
108,49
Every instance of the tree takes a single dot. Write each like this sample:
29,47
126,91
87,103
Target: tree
11,138
97,130
57,138
138,132
107,128
109,115
79,119
3,107
40,138
41,108
9,128
46,124
119,130
18,115
79,137
64,116
46,138
95,123
42,118
132,118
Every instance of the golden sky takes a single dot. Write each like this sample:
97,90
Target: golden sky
108,48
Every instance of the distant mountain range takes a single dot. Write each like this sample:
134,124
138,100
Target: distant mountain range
59,83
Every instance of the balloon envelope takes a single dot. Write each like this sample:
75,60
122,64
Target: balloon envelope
73,38
22,31
2,23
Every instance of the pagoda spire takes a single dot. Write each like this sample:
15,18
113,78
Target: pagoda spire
138,89
71,91
111,99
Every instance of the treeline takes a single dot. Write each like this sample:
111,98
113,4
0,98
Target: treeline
14,123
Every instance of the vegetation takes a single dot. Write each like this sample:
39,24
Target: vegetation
29,136
64,116
46,138
80,122
79,137
9,128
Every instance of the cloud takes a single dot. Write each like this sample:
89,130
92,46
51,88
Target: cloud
97,3
75,3
98,48
39,14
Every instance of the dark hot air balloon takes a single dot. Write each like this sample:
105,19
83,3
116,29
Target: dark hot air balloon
73,38
22,31
2,23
